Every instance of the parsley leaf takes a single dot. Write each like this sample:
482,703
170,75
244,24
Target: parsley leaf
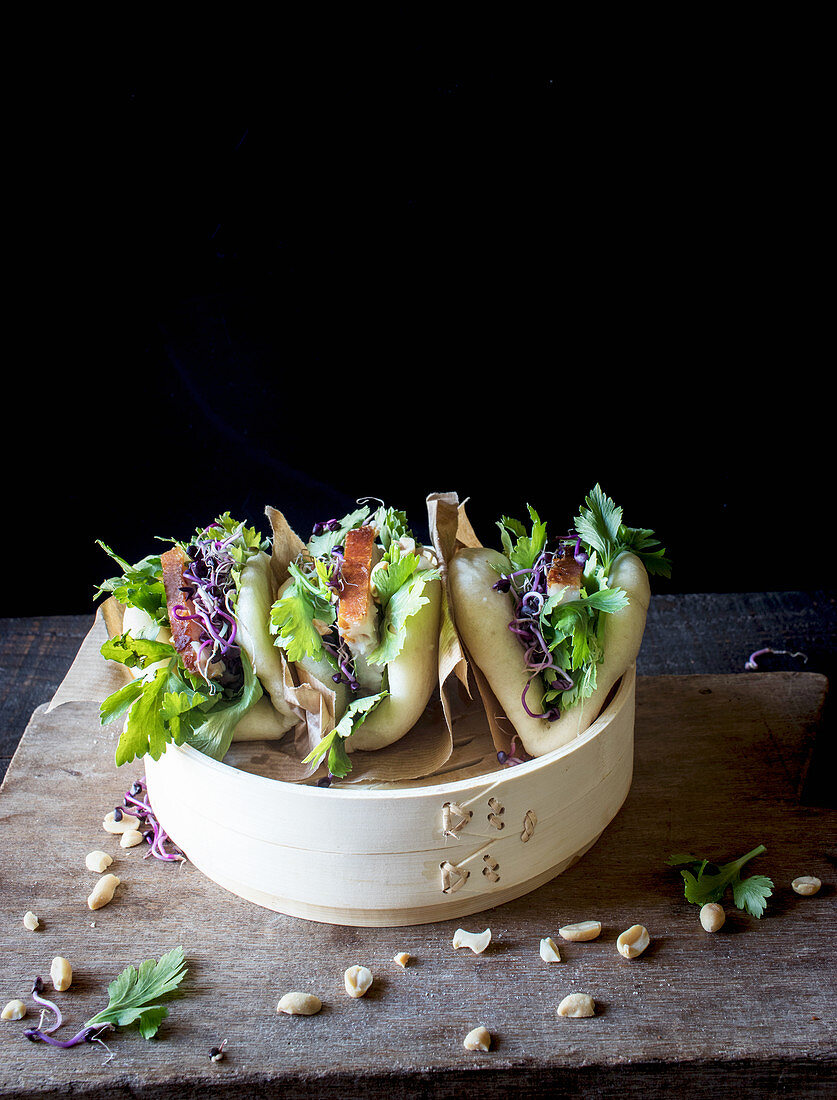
599,526
705,881
306,601
399,584
521,549
140,585
133,996
331,746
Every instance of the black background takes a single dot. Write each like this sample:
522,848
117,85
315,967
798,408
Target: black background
430,279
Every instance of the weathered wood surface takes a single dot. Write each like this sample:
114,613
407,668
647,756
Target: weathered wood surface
720,764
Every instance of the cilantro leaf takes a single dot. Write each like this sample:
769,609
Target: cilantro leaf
524,551
306,601
331,746
323,544
392,525
139,585
705,881
135,652
133,996
599,526
399,584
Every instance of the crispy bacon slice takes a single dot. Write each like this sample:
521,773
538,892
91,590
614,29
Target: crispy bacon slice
564,572
185,632
356,605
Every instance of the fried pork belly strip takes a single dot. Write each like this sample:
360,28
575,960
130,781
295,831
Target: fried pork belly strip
565,572
356,613
185,632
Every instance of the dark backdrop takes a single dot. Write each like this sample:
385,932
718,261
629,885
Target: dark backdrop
505,287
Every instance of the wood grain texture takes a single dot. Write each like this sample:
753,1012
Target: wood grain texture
720,761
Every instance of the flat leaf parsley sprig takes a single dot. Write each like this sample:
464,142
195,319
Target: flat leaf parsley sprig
705,881
133,998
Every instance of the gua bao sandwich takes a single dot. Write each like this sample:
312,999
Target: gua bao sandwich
359,613
195,634
552,626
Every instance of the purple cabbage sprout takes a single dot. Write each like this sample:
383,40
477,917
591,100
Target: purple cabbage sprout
137,800
528,589
514,756
210,587
45,1034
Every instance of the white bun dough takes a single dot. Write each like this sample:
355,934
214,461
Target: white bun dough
412,677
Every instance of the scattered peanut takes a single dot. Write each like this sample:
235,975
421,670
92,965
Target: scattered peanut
478,1039
577,1005
806,885
584,930
712,916
14,1010
549,950
97,861
61,973
103,891
299,1004
122,823
633,941
477,941
357,980
131,838
30,921
402,958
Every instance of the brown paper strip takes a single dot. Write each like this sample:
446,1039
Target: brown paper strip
451,530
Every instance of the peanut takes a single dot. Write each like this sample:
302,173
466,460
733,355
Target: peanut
103,891
61,973
30,921
584,930
131,838
299,1004
97,861
14,1010
357,980
577,1005
549,950
806,885
478,1039
402,958
123,824
712,916
477,941
633,941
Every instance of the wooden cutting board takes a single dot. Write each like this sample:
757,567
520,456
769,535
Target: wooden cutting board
719,768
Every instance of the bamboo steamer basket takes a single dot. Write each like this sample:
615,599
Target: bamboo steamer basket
395,856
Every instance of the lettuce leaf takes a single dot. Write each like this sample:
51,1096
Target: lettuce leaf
169,704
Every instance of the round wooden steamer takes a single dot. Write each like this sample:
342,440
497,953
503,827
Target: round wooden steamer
395,857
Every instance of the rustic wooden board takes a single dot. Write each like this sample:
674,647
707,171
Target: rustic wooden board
720,762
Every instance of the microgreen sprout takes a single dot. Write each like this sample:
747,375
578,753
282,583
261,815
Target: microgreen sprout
37,990
137,800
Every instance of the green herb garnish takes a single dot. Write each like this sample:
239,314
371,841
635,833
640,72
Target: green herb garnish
706,881
135,994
